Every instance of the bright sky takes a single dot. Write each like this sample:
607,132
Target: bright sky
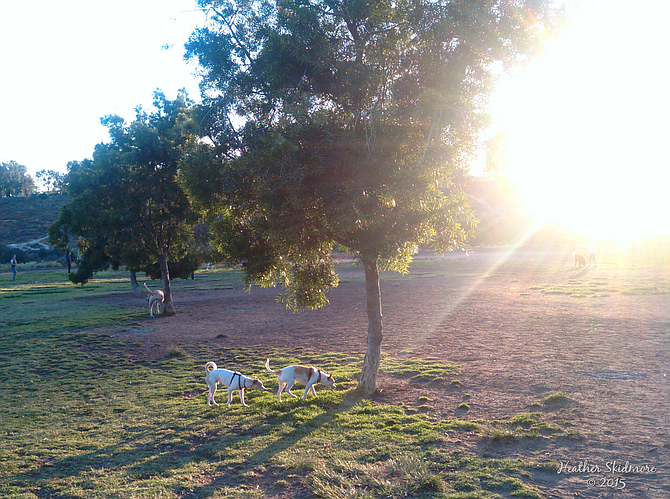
587,124
67,63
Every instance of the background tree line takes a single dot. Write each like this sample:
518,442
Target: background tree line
343,122
16,181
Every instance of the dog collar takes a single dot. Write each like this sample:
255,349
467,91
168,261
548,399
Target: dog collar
311,371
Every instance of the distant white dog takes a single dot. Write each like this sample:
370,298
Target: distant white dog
308,376
231,379
155,297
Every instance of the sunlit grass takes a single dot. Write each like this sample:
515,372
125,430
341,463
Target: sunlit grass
83,419
598,287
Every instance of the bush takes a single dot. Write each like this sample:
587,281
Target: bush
36,253
6,253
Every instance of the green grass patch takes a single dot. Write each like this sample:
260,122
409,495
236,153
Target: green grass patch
81,419
418,369
601,287
556,400
523,426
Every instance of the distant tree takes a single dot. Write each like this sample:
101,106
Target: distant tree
125,202
15,180
357,118
496,159
53,181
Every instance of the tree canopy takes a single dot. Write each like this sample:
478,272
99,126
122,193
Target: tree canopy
125,201
15,180
54,182
349,122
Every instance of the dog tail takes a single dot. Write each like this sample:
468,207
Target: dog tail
208,365
145,285
267,366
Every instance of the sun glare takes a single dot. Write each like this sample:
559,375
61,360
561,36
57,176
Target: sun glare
586,124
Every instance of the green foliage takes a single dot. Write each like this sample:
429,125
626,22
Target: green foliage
125,203
6,253
15,180
183,269
359,120
53,181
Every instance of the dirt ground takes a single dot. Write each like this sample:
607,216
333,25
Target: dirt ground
509,322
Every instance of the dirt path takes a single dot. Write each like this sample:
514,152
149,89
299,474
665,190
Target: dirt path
521,328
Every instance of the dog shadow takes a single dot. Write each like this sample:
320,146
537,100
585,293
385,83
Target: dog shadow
581,271
264,455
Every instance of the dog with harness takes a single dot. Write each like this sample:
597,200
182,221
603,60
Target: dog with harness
233,380
308,376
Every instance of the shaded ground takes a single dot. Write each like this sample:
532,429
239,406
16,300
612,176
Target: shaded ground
521,328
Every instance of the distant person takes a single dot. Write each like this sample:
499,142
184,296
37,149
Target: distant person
15,266
592,253
68,257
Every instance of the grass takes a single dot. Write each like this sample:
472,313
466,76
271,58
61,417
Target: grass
83,419
523,426
557,399
602,287
418,369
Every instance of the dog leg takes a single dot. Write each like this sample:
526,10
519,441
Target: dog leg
288,389
281,388
313,390
242,397
211,396
308,388
230,397
209,393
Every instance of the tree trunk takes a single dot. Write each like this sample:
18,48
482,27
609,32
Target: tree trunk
168,306
134,283
368,381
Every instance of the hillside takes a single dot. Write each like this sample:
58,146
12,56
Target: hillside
501,220
26,219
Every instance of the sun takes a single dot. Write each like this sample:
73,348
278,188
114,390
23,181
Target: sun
586,124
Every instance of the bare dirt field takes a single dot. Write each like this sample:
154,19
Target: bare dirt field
521,326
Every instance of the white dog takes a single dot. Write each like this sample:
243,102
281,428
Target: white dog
231,379
308,376
155,297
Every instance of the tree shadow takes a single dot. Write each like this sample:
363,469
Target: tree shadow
280,445
143,455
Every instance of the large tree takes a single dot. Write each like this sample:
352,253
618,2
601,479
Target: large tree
346,121
125,201
15,180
